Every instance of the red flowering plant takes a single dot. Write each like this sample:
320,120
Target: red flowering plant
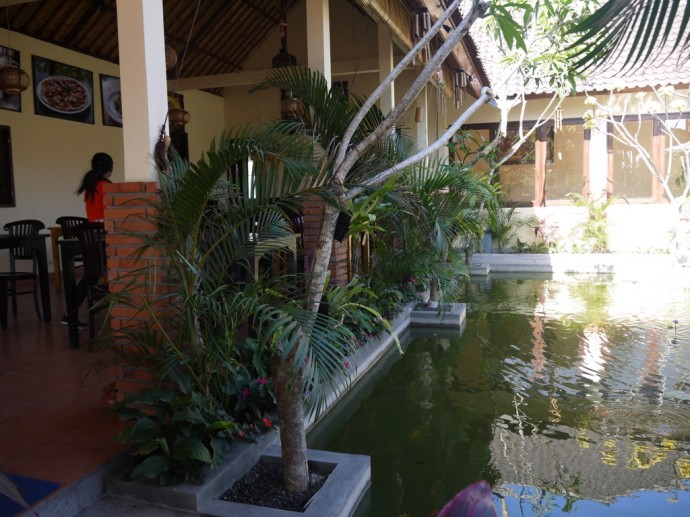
250,393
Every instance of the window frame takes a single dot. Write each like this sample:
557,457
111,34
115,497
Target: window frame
543,132
6,168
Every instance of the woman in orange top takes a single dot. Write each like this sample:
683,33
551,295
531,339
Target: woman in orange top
92,185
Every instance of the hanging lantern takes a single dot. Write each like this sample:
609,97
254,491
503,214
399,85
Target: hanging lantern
290,106
170,57
421,24
460,81
13,80
178,117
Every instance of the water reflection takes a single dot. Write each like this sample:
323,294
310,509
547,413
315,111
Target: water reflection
563,395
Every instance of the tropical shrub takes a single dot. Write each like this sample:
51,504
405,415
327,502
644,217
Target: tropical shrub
505,225
177,432
591,236
213,332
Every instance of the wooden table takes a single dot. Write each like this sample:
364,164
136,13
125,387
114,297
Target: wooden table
38,244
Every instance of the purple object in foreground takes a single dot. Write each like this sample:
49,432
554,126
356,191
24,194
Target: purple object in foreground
475,500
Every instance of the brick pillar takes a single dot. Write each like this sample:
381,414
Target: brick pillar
127,211
338,265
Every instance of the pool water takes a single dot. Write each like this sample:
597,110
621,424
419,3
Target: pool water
567,396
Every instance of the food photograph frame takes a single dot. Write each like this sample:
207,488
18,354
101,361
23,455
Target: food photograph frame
10,56
62,91
111,100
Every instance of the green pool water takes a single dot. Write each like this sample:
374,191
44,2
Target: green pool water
567,396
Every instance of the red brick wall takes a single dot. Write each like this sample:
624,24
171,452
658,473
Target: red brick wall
127,211
312,214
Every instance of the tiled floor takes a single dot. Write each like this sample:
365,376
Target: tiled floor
53,425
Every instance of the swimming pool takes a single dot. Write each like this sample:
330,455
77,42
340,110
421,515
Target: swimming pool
568,396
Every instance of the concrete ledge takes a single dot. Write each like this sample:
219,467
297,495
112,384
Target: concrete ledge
623,265
75,498
349,479
453,317
239,459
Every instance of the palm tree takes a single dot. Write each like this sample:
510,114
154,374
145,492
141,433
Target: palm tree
212,220
438,205
635,30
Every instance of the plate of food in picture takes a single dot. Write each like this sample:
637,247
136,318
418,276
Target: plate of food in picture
63,94
113,106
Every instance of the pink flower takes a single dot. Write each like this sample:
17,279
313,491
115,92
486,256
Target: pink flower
245,393
261,380
347,364
267,422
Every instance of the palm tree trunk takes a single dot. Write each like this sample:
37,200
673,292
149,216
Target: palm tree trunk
293,437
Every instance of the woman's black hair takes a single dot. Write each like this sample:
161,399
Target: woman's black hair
101,164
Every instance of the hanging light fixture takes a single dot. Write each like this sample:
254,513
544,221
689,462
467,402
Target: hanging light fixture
290,105
421,24
460,81
13,80
170,57
178,117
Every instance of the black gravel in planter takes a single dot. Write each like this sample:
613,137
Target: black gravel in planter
263,486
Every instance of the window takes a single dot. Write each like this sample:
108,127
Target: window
678,154
564,174
631,177
6,173
547,166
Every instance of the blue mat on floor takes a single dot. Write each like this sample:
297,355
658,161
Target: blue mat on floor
31,489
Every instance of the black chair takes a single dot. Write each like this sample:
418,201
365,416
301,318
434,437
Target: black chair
24,227
91,237
68,222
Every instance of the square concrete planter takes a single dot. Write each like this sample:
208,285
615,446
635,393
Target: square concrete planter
453,317
349,478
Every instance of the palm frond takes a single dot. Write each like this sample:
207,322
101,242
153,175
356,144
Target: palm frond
630,30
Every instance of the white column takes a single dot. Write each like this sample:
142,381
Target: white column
142,82
386,64
319,37
598,161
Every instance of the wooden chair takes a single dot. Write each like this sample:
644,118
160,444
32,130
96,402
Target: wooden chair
91,236
23,227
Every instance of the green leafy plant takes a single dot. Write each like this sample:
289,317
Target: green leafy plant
591,236
177,432
505,225
531,247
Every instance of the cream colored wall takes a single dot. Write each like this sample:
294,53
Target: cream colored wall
50,155
644,228
207,120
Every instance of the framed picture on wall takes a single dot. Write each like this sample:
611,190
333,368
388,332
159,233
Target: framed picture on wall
62,91
10,56
111,100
